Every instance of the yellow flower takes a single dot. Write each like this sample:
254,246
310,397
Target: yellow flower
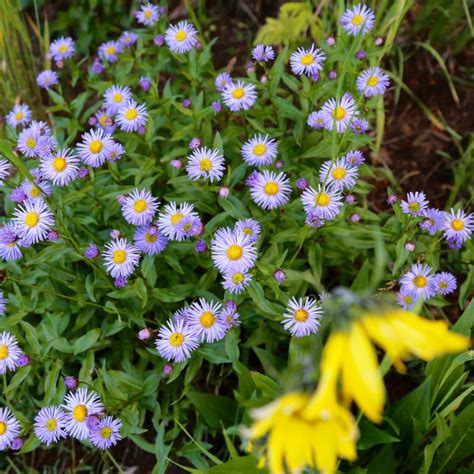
401,333
307,432
351,355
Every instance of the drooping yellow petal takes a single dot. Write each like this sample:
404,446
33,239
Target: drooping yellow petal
361,379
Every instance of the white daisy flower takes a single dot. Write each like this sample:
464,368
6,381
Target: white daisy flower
131,116
94,147
302,317
139,207
9,428
307,61
33,220
232,251
325,202
181,38
121,258
115,97
260,150
10,352
270,190
339,113
205,163
171,216
176,341
60,168
204,319
339,174
79,405
239,96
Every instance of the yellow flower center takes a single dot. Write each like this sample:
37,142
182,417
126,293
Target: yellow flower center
248,231
301,315
59,163
207,319
117,97
32,219
119,256
63,48
95,146
181,35
80,413
443,284
205,164
111,50
175,218
176,339
237,278
131,114
407,299
234,252
140,205
187,227
259,149
19,115
339,113
3,351
414,206
30,143
3,428
238,93
322,199
420,281
457,224
271,188
34,192
357,20
307,59
147,14
106,432
103,119
150,238
51,424
372,81
339,173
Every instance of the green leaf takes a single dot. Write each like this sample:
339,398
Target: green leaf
370,436
214,408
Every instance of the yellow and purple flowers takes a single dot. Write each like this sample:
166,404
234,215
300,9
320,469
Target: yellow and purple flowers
204,163
121,258
270,190
62,48
372,82
19,115
181,38
176,341
302,317
170,221
338,114
61,168
359,19
415,204
339,174
139,207
47,78
33,220
420,280
324,202
94,147
131,116
148,14
307,61
260,150
239,96
50,425
205,319
106,432
9,428
10,352
458,226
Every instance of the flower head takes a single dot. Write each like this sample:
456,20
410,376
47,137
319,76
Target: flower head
419,279
302,317
121,258
170,217
150,240
235,281
339,174
47,78
139,207
354,158
359,18
33,220
317,120
62,48
222,81
249,227
50,424
444,283
94,147
359,126
239,96
78,406
176,341
181,38
406,297
131,116
148,14
458,226
60,168
325,202
415,205
205,163
110,50
128,39
263,53
106,432
307,61
270,190
10,352
433,220
260,150
205,320
372,82
339,114
19,115
9,428
116,97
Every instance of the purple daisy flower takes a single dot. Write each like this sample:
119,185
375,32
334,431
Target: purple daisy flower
415,205
433,220
106,432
